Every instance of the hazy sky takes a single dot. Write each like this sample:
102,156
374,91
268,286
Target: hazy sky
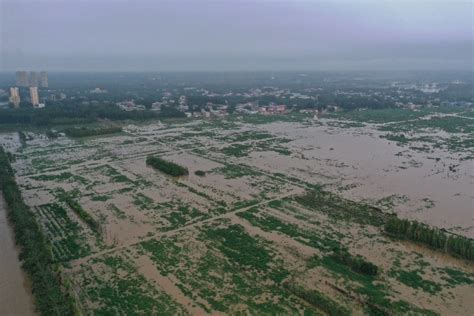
218,35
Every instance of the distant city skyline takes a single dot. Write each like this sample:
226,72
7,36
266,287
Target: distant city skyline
184,35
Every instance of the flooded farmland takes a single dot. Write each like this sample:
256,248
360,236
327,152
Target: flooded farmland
270,217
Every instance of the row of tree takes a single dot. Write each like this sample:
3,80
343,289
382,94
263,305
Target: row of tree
76,114
36,255
436,238
167,167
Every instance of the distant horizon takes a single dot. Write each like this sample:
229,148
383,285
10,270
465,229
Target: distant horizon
258,35
368,71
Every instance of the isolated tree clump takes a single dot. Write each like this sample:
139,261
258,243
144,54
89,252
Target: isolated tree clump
167,167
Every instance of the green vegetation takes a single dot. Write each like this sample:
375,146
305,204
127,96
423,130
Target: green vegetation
271,223
240,247
113,286
449,124
357,264
86,132
236,171
200,173
114,175
68,198
433,237
22,137
318,300
380,115
64,234
248,135
265,119
62,177
373,294
237,150
63,114
217,279
341,209
183,215
37,260
399,138
116,211
414,280
142,201
167,167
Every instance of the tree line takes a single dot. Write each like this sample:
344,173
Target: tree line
69,114
86,132
167,167
434,237
51,298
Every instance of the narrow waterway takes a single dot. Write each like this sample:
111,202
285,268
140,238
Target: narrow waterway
15,295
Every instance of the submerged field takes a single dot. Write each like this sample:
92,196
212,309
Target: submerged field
276,215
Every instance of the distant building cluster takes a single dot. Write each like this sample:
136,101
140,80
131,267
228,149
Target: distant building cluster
31,80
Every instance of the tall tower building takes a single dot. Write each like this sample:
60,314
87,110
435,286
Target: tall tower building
43,79
22,78
34,96
15,96
33,79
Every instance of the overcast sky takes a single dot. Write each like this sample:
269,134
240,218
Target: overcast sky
195,35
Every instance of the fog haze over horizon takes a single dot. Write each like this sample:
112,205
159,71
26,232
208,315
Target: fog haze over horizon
205,35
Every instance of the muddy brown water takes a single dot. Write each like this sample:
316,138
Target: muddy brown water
15,293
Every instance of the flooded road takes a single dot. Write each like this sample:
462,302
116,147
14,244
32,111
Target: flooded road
15,295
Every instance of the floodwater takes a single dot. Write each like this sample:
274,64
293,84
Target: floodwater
15,293
377,169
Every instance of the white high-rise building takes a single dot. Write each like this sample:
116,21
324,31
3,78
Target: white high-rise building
15,96
34,96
